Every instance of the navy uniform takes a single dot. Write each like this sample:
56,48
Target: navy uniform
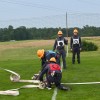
59,45
46,55
75,46
53,74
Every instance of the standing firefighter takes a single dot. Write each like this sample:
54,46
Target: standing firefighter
59,45
53,75
75,46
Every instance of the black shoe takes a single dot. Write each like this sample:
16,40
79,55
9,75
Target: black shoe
48,87
64,68
78,62
73,62
61,87
65,88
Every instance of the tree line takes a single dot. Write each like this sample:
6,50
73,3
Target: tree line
23,33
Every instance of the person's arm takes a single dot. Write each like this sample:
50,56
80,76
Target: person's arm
54,47
71,42
43,61
66,41
42,73
80,42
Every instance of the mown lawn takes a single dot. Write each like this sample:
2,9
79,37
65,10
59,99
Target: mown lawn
24,61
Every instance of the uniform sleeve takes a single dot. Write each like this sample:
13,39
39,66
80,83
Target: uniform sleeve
71,42
43,61
65,41
80,42
55,44
42,73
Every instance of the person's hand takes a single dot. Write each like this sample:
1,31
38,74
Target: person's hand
41,85
40,82
80,49
71,49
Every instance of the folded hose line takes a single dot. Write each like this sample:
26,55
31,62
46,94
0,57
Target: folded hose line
10,92
15,77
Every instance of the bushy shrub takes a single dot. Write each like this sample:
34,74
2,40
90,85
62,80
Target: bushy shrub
89,46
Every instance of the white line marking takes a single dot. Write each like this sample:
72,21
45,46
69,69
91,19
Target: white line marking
55,90
54,94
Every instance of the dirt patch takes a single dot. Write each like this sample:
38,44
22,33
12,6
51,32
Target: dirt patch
34,43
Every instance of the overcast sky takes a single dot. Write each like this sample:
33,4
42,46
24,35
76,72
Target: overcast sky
26,9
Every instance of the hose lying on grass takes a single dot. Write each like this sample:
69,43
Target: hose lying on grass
15,77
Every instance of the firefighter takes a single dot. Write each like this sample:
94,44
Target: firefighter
75,46
59,46
53,75
46,55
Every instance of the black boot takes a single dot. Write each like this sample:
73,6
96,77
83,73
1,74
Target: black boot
73,62
64,88
78,61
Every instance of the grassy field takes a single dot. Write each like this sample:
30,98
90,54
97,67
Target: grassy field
20,56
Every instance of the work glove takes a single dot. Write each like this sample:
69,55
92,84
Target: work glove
35,77
71,49
41,85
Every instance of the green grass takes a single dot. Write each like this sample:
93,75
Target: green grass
25,62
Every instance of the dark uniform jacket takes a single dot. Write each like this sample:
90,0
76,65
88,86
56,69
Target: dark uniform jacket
75,42
51,69
59,43
47,55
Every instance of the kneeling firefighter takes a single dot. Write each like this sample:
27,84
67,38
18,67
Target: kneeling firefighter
53,74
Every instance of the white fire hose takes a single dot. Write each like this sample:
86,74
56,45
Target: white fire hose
15,77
